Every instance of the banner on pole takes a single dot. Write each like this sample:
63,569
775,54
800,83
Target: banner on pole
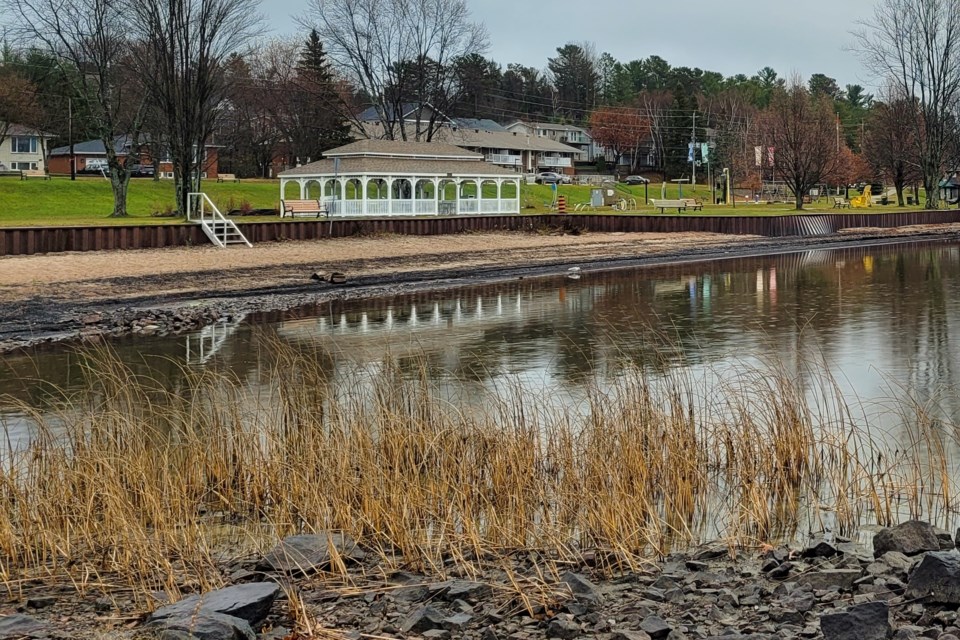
758,154
690,152
770,151
705,152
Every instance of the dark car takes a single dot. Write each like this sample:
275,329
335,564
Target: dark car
635,180
142,170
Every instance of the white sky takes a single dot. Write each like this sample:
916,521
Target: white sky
729,36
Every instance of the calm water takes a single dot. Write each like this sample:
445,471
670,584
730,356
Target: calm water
879,318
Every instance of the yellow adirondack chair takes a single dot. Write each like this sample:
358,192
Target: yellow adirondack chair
862,201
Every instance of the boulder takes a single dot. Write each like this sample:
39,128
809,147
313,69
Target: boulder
583,590
828,579
204,625
250,602
304,554
910,538
20,626
655,627
936,578
421,620
870,621
563,629
819,548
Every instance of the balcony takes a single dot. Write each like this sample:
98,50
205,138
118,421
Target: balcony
554,161
505,159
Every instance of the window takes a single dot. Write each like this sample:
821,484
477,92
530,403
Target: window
24,145
23,166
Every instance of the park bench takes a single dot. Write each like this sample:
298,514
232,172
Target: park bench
299,208
227,177
693,204
663,205
841,203
33,173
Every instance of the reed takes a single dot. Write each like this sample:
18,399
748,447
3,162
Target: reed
130,485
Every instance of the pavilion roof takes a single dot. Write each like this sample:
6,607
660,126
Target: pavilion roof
383,166
402,149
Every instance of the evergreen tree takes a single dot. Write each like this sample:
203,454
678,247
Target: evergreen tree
319,121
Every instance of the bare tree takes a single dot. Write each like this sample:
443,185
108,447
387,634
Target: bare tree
655,108
90,41
186,45
801,129
889,143
915,44
397,52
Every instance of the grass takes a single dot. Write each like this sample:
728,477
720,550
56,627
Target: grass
88,201
145,488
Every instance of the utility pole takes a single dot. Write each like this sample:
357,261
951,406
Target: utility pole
73,160
693,152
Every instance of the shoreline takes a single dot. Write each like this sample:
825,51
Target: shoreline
91,306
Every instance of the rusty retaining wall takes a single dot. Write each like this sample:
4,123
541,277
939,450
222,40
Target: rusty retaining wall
31,240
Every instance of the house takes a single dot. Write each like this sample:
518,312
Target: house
568,134
393,177
499,146
91,156
22,148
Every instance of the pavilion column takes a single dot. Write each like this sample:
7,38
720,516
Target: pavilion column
499,193
518,195
459,184
303,189
436,196
342,198
364,181
389,182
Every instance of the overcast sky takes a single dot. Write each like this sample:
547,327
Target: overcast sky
729,36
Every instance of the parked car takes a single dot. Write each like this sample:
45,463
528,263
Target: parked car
549,177
141,170
634,180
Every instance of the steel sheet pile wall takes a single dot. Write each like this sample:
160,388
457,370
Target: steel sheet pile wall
31,240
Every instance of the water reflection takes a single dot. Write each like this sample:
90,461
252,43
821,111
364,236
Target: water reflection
880,317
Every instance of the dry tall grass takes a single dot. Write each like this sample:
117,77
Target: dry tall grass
146,488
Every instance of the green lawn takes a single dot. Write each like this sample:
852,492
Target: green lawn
88,201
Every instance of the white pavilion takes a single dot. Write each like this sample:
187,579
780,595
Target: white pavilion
397,178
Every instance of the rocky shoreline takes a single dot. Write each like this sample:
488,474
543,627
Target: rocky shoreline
326,586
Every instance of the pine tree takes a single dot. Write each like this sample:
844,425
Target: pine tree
320,105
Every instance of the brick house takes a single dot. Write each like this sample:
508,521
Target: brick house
91,155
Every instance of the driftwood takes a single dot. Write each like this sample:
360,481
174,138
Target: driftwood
333,277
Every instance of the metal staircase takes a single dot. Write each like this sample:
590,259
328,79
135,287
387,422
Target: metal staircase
221,230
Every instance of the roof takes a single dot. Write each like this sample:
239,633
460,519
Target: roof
482,139
121,146
484,124
23,130
395,166
547,125
402,149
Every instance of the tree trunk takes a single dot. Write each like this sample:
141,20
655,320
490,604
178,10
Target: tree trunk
799,196
899,187
119,181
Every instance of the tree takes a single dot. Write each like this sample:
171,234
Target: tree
392,50
801,129
889,143
655,108
478,80
91,44
576,79
915,45
822,85
622,130
186,45
18,102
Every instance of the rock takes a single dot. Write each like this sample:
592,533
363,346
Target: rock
781,571
936,578
91,318
869,621
436,634
20,626
842,579
457,622
629,635
583,590
910,538
41,602
204,625
564,629
946,540
711,552
469,591
655,627
250,602
304,554
819,549
422,619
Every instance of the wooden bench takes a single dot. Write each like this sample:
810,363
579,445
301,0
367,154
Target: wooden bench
663,205
841,203
693,204
33,173
300,208
227,177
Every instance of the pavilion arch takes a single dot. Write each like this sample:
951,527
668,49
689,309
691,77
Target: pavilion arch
353,189
291,191
402,189
377,189
313,190
333,189
468,188
425,189
448,190
490,189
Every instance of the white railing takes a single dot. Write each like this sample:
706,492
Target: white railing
220,230
421,207
550,161
505,158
